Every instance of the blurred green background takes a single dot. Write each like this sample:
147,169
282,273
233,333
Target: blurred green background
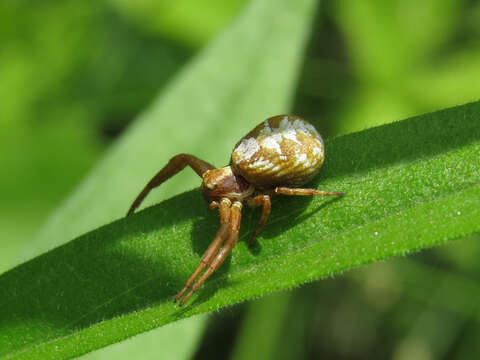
74,74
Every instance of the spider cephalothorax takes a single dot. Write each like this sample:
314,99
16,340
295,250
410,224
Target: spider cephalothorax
221,183
281,153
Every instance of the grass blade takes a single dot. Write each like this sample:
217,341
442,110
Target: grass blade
410,185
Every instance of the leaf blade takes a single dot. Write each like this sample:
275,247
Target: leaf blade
394,205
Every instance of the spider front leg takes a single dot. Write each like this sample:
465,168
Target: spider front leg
224,208
176,164
305,192
267,205
234,227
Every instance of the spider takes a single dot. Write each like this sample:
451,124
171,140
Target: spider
278,155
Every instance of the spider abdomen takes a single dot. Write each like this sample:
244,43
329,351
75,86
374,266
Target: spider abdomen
284,150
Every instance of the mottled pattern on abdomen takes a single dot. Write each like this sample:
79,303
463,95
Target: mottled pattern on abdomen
284,150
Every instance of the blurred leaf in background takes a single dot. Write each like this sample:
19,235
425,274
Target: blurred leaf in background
73,75
186,21
407,57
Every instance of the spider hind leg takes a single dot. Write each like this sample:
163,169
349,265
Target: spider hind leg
222,234
221,255
305,192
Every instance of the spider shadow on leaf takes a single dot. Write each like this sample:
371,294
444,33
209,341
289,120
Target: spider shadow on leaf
286,212
291,212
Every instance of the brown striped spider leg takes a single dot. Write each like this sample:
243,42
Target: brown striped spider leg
215,255
175,165
222,234
305,192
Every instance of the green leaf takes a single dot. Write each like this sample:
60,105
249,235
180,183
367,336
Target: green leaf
437,288
265,316
244,76
180,20
409,185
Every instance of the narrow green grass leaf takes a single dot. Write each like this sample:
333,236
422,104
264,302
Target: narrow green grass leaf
437,288
409,185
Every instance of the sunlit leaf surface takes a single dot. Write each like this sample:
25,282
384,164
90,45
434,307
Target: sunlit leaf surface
410,185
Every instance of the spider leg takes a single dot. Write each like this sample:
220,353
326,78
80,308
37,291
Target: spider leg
176,164
214,245
306,192
259,201
235,217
